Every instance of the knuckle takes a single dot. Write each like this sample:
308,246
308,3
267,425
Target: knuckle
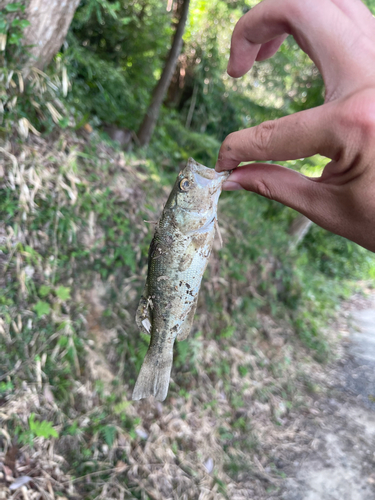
263,135
292,12
227,148
358,116
262,188
295,11
366,124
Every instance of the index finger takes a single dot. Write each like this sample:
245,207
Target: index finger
331,34
300,135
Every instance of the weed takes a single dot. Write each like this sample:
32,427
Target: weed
61,251
35,429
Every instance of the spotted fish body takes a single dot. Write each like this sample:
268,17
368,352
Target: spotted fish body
178,257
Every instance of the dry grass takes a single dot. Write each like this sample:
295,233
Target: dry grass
41,468
231,418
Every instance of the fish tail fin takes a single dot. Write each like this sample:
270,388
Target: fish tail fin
153,379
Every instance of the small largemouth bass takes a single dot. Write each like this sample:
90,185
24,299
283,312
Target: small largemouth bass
177,259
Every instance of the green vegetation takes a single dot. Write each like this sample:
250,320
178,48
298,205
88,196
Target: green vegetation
11,28
73,256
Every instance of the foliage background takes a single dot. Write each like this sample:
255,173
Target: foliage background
74,249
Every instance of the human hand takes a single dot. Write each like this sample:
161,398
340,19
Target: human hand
339,36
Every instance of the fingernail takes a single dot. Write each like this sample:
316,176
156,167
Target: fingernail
231,186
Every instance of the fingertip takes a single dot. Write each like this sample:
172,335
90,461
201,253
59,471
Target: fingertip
241,62
233,71
229,68
223,165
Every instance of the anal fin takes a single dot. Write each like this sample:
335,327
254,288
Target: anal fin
186,327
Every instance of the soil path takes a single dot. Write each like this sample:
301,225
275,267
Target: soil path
341,462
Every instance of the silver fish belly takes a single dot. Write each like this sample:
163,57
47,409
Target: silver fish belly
178,257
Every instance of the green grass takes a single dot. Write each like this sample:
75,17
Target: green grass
262,309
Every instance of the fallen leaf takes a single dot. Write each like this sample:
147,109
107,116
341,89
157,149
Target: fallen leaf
20,481
10,457
8,473
209,465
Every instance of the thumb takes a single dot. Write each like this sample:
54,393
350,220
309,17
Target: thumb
328,205
295,136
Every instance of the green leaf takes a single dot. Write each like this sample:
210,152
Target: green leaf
41,308
63,341
125,20
6,386
183,350
20,23
42,429
44,290
121,407
64,122
63,292
73,429
228,332
14,7
14,39
109,434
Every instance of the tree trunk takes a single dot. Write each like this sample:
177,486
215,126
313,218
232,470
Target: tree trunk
49,24
146,129
298,229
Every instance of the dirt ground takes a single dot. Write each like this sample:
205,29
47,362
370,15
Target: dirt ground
340,464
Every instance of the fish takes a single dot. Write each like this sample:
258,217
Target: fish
178,256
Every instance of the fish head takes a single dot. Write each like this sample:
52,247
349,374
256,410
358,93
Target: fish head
195,195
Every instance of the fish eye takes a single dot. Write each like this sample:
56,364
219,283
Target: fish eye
184,184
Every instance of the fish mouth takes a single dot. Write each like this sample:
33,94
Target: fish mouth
205,176
202,181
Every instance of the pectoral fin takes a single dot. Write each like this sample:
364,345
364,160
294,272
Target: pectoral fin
186,326
143,316
187,260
